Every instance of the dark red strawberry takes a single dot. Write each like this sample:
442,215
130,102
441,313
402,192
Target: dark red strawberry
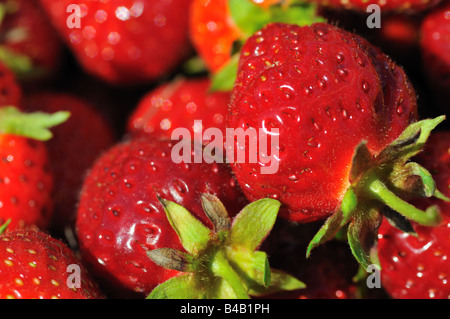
177,105
26,181
345,118
435,47
386,5
70,154
29,45
10,91
35,265
120,217
124,42
416,265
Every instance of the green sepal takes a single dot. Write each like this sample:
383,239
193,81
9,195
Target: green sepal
223,80
280,281
328,230
224,262
410,142
172,259
252,266
414,180
193,235
250,17
252,225
216,212
31,125
179,287
362,233
381,186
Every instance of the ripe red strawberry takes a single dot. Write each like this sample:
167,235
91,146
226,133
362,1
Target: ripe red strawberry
120,217
35,265
387,5
435,47
417,266
29,44
177,105
71,155
291,84
26,181
124,42
343,111
217,27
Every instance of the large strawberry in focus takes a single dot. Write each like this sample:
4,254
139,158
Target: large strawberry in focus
179,104
29,45
126,41
71,154
26,181
415,264
325,92
339,116
37,266
120,216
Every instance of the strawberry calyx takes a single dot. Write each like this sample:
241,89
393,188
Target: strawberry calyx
250,17
34,125
222,262
381,186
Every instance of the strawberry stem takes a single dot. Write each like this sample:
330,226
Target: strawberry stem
222,268
430,217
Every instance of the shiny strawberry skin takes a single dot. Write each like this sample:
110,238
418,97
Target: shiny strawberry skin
326,90
125,41
26,182
419,267
177,105
65,146
34,265
387,5
120,218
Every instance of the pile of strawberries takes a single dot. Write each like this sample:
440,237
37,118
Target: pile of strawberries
94,204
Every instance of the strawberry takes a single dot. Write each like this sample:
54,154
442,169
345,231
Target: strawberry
386,5
218,28
11,92
345,115
415,264
29,45
120,217
25,179
435,48
177,105
124,42
65,146
35,265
